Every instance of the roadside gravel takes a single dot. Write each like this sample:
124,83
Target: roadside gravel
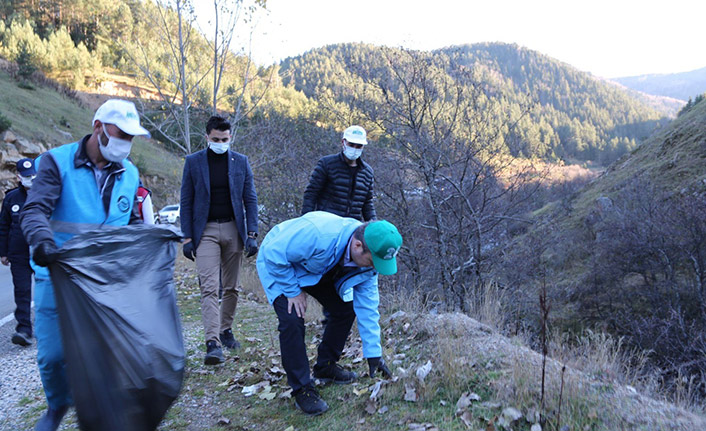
20,385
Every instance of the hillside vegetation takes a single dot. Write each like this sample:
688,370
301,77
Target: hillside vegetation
41,114
635,263
558,111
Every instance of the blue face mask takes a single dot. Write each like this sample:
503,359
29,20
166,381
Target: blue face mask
219,147
352,153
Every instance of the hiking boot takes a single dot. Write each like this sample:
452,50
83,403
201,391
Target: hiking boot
51,419
228,341
21,338
214,354
334,373
307,399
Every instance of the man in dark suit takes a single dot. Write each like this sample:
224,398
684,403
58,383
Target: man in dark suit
219,219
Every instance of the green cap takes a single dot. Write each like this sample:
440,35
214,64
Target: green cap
383,241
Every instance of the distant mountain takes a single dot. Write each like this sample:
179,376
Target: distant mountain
681,86
573,116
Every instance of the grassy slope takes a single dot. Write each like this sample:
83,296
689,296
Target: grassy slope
674,158
466,357
39,115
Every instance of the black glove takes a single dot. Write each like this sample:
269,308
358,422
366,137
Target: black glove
45,253
189,250
251,247
376,364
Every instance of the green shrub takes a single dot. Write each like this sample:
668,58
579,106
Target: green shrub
26,85
5,123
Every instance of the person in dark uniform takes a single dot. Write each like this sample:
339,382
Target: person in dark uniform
14,250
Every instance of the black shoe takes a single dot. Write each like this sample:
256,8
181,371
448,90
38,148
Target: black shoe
214,354
21,338
309,401
51,419
334,373
228,341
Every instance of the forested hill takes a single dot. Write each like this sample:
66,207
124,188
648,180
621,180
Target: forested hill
570,114
634,264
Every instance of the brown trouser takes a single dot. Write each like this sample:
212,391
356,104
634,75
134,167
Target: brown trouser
218,258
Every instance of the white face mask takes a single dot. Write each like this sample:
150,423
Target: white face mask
219,147
352,153
116,150
27,181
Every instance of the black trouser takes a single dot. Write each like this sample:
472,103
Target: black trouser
291,332
22,279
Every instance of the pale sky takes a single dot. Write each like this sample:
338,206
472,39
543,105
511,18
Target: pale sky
607,38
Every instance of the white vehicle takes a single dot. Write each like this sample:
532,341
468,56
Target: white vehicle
169,214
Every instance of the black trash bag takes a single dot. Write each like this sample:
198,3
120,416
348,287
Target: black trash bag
120,325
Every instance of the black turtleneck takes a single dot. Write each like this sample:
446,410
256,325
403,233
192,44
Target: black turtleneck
221,206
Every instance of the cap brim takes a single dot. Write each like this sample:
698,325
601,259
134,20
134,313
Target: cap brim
363,142
28,172
383,266
133,129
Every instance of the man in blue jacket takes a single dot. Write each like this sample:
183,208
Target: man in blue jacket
14,250
336,260
80,186
219,219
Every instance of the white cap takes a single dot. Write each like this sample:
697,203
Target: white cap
123,115
355,135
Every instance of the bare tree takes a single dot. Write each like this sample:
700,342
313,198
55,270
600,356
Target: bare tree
450,134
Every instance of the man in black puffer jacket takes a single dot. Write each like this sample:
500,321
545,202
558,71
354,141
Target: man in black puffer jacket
342,183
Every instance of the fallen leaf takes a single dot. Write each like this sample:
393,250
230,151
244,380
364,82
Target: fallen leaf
253,389
269,396
223,421
286,394
375,391
397,315
277,370
467,419
371,406
410,394
465,401
250,390
383,410
423,371
512,414
360,392
289,428
405,327
361,421
536,427
442,402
